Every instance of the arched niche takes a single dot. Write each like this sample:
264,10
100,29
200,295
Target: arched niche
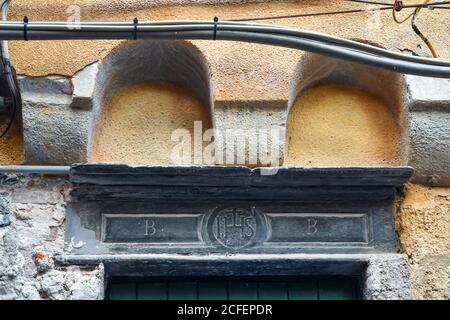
345,114
144,91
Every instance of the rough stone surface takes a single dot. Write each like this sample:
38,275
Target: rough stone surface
334,125
431,277
430,147
255,129
11,145
388,278
28,245
4,212
54,134
423,225
423,221
52,90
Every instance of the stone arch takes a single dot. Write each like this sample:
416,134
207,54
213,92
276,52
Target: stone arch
371,129
169,81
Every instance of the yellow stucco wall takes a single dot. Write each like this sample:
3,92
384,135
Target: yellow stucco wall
423,226
11,145
333,125
137,125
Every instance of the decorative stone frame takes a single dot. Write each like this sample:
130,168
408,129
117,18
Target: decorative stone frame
381,276
134,192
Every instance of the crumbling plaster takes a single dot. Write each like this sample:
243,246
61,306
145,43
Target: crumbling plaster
423,227
34,237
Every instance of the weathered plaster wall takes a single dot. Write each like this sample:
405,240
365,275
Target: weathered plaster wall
11,145
137,125
27,246
423,225
332,125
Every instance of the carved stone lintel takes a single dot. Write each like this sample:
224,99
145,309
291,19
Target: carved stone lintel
202,210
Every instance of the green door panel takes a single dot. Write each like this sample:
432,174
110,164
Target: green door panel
275,288
243,290
212,290
273,291
123,291
152,291
303,289
182,291
337,289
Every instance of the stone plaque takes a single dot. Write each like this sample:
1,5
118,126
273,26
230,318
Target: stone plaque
120,210
151,228
318,228
234,228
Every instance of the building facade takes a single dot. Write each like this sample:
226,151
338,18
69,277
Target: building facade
204,162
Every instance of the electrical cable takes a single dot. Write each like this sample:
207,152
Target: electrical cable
192,30
371,2
349,11
398,6
390,4
232,31
420,34
226,25
441,69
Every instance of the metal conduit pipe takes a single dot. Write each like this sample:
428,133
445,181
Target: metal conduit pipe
53,170
263,34
8,70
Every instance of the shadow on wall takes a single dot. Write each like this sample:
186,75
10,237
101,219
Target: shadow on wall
345,114
145,91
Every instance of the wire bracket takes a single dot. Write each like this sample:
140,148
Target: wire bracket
135,30
216,20
25,28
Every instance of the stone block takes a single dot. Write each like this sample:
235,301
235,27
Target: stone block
429,152
52,90
426,93
54,135
36,196
83,87
4,212
387,277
